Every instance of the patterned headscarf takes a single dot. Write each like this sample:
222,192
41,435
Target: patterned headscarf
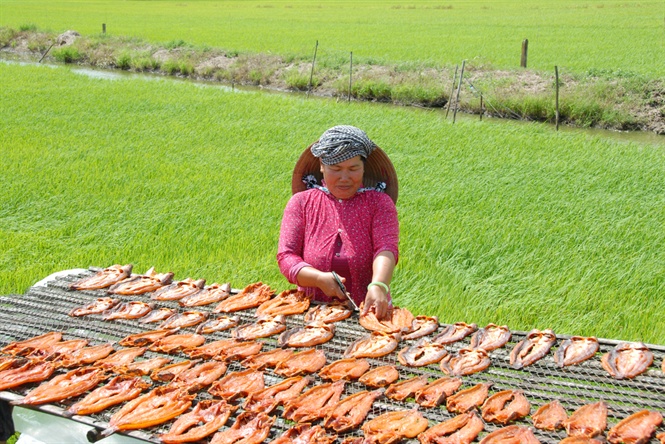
341,143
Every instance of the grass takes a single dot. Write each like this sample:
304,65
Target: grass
512,224
575,35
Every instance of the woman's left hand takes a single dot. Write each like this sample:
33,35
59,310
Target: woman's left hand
378,299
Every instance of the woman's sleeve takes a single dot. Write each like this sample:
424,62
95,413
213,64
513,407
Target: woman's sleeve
291,240
385,227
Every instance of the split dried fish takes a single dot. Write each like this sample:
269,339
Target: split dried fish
422,326
70,384
267,359
177,342
140,284
238,384
491,337
145,338
398,320
288,302
184,319
550,416
466,362
264,327
372,345
394,426
328,313
208,295
178,290
270,398
104,278
348,369
435,393
202,421
588,421
127,310
26,372
407,388
23,348
304,362
574,350
305,433
506,406
312,334
249,428
157,315
455,332
627,360
251,296
97,306
380,376
119,389
315,403
536,345
636,428
461,429
220,323
351,411
423,352
468,399
512,434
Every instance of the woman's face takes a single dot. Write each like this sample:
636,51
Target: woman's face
344,179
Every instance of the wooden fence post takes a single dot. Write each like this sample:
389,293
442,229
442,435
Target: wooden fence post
459,87
311,74
350,75
525,50
452,90
556,75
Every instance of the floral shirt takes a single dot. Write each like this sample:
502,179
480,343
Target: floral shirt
315,221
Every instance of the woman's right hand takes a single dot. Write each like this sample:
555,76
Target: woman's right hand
328,285
324,280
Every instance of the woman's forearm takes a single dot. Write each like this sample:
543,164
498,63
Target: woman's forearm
383,267
311,277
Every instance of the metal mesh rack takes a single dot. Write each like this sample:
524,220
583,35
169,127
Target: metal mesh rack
45,308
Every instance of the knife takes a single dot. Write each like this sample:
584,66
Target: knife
343,288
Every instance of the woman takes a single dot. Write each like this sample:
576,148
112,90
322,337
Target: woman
340,225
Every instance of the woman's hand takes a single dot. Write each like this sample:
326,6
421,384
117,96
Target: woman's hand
377,298
328,285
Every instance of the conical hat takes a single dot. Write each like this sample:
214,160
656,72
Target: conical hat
378,168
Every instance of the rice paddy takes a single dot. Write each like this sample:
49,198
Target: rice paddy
603,37
512,224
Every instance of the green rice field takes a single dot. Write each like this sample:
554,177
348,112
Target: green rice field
507,223
584,36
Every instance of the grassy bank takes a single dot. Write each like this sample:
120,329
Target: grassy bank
510,224
614,100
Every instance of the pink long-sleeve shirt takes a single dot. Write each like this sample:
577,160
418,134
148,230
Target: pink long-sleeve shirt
313,222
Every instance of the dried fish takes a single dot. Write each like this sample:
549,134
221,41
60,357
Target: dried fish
208,295
407,388
305,433
143,367
119,389
550,416
184,319
636,428
468,399
157,315
70,384
267,359
491,337
328,313
179,290
422,326
627,360
264,327
238,384
97,306
398,320
27,371
435,393
394,426
372,345
575,349
202,421
145,338
220,323
270,398
127,310
348,369
455,332
315,403
288,302
505,406
466,362
311,334
84,356
588,421
249,428
177,342
306,361
23,348
511,434
250,297
380,376
200,376
536,345
104,278
168,373
461,429
140,284
351,411
423,352
120,358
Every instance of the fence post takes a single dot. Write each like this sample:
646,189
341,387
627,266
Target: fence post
311,74
556,76
452,90
525,50
350,75
459,87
